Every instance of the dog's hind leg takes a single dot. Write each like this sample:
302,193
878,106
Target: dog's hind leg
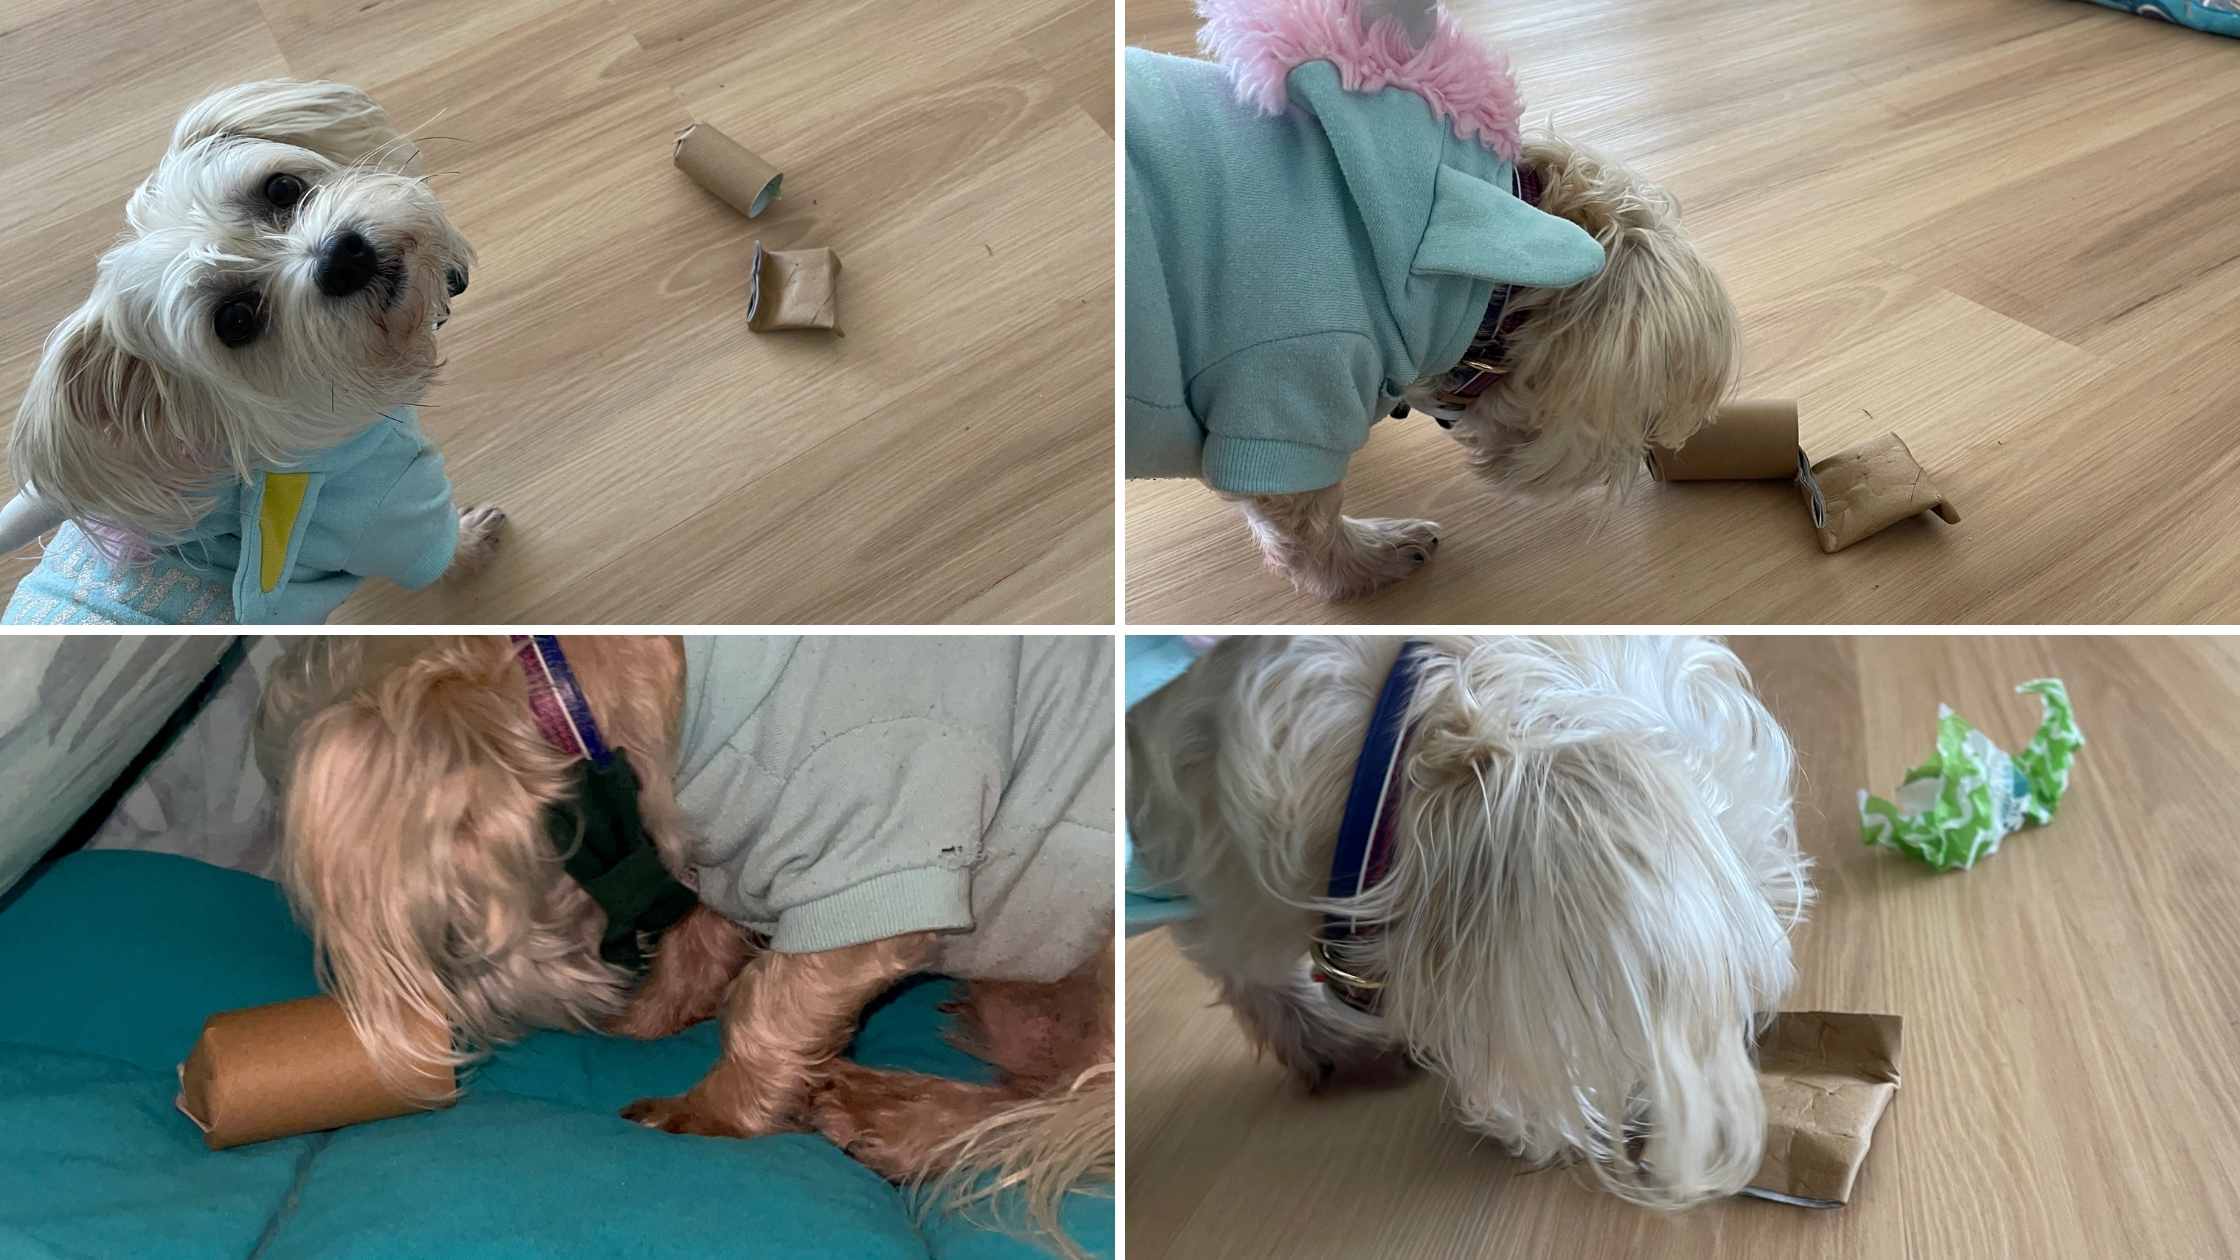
1044,1038
1328,554
1047,1128
787,1016
893,1122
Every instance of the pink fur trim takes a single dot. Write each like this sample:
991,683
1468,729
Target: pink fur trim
1467,83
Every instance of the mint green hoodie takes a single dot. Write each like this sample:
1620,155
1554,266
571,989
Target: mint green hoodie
1289,275
848,788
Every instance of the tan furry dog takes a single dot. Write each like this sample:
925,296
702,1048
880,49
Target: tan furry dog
1339,218
418,783
1580,909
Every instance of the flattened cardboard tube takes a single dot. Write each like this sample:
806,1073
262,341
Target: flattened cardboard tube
1869,488
724,167
1745,441
1827,1079
794,288
289,1068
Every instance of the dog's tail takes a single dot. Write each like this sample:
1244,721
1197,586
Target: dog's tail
1044,1148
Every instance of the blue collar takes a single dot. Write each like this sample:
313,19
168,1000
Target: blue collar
1365,832
556,700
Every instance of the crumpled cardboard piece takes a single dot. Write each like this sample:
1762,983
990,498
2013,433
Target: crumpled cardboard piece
724,167
1869,488
288,1068
1745,441
794,288
1827,1078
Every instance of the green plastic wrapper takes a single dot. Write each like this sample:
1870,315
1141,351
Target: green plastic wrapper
1959,805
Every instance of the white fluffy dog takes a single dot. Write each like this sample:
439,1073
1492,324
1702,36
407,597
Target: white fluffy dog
1585,899
274,299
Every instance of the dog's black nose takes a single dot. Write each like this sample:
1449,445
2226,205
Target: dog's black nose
1444,423
455,279
346,264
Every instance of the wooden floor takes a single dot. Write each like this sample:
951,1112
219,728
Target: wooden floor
950,459
2070,1011
2001,228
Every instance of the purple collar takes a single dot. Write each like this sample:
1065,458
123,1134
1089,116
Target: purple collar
1487,359
556,700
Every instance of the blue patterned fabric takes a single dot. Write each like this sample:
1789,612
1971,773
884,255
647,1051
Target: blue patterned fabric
2218,17
76,585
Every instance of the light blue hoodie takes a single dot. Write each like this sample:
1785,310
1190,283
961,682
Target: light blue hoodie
283,548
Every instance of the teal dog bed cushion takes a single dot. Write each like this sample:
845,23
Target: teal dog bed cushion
2218,17
116,958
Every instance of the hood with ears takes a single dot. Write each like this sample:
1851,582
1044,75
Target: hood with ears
1367,70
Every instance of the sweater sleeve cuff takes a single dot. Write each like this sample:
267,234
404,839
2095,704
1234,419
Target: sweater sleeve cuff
1242,465
926,899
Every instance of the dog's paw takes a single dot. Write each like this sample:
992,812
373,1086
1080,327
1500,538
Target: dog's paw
1375,553
679,1114
846,1106
832,1113
1412,543
1370,1068
481,523
480,529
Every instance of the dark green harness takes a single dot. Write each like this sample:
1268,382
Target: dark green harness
598,831
601,838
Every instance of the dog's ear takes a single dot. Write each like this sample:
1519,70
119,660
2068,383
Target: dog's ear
334,120
95,411
86,378
113,438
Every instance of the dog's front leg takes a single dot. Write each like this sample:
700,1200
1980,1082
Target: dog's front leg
692,968
1328,554
1321,1042
480,529
788,1014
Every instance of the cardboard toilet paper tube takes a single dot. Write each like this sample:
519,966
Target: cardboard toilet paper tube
793,288
1827,1079
289,1068
724,167
1869,488
1745,441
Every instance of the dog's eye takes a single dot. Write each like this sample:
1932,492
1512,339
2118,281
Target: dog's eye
238,321
283,190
